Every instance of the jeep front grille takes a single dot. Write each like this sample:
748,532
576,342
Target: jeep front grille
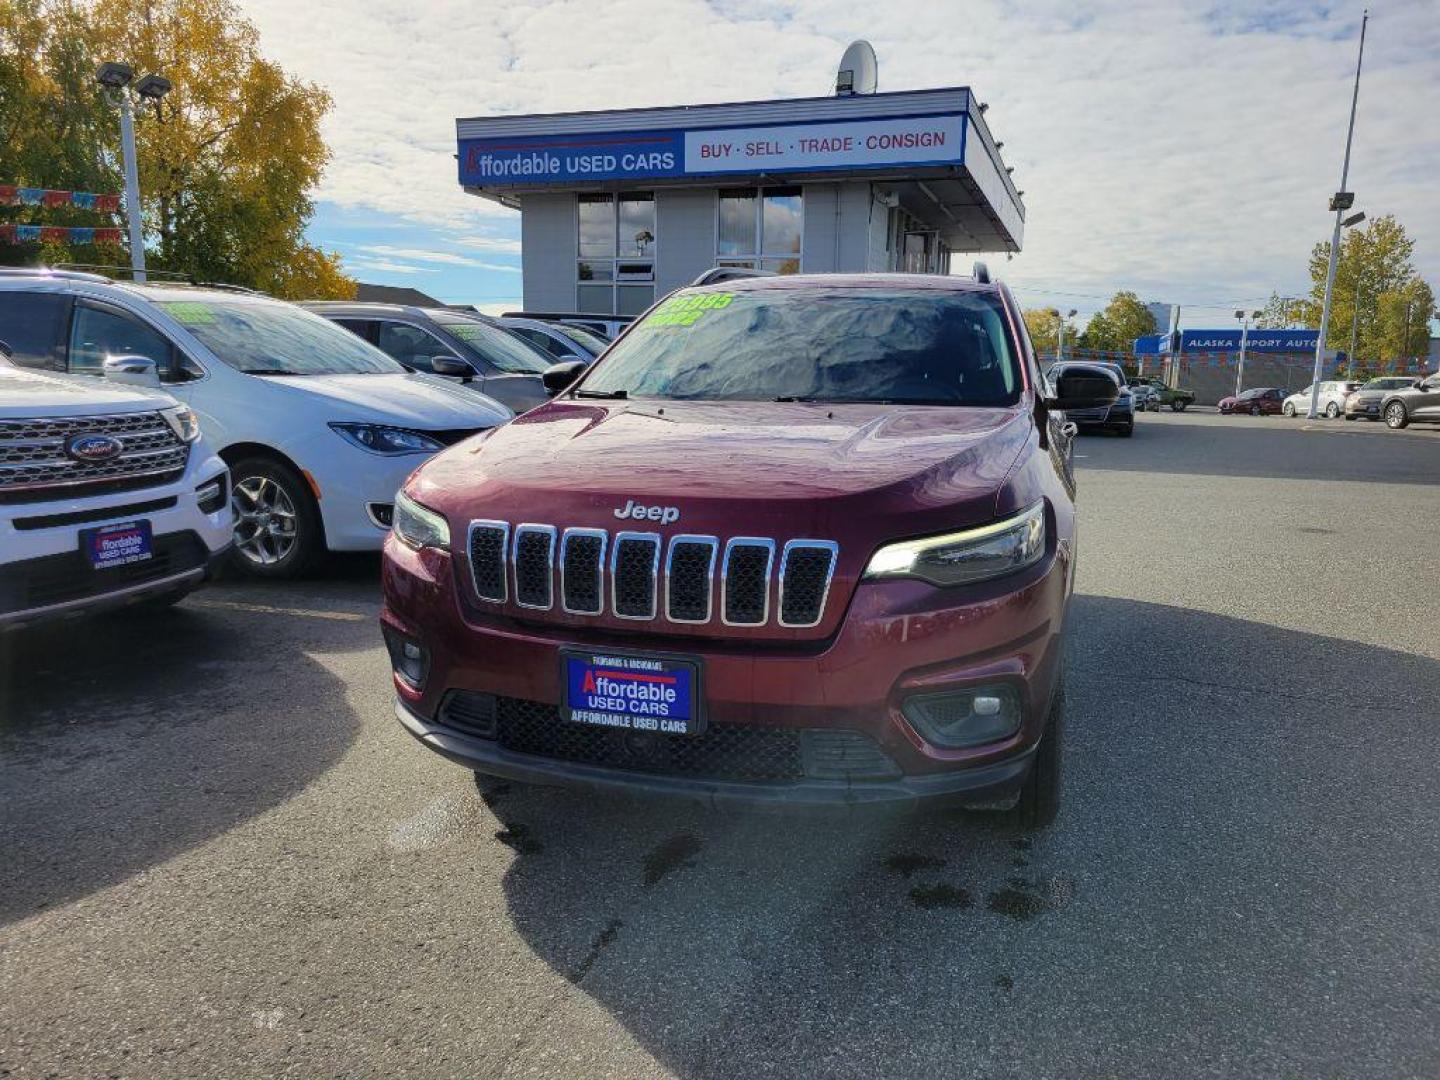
34,465
689,580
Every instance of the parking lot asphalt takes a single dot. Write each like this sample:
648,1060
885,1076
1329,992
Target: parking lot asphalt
223,857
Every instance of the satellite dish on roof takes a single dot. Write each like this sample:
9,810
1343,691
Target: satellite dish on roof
858,70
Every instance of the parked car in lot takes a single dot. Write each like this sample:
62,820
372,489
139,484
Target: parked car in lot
1147,398
319,429
606,326
1176,399
685,574
1415,404
1118,416
452,344
1331,400
560,341
1260,401
1365,402
108,496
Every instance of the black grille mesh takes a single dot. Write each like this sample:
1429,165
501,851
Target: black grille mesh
747,580
59,579
691,565
582,573
635,577
487,561
806,574
532,567
721,752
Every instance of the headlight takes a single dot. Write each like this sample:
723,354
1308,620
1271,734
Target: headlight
183,422
964,557
379,439
419,526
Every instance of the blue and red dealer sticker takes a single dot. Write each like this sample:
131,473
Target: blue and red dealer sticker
632,693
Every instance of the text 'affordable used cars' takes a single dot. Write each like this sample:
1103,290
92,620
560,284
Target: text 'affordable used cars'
799,540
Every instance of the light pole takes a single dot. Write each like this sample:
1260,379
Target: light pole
116,79
1341,201
1244,339
1060,335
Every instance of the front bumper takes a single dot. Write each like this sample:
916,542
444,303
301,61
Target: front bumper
1369,407
898,638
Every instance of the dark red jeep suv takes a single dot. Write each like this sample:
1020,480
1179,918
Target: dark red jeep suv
794,540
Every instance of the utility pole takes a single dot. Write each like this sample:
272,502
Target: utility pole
1341,201
1244,337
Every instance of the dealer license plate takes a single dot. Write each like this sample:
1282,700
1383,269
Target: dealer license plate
117,545
632,693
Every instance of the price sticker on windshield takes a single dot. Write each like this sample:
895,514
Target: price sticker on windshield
190,312
687,310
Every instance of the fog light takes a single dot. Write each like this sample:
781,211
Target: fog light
409,658
211,497
954,719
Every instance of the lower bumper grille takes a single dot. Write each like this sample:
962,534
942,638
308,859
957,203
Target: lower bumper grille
722,752
60,579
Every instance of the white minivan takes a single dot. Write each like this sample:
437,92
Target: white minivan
318,427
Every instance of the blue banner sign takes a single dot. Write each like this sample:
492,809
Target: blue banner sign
1260,341
775,148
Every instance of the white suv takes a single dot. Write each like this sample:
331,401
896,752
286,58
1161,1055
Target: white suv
318,427
1331,403
107,496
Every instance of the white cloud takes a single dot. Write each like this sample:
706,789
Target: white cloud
1183,150
498,244
426,255
385,267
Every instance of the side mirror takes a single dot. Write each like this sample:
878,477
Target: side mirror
133,370
1081,389
453,366
558,376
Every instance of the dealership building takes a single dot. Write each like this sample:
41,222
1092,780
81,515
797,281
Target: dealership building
618,208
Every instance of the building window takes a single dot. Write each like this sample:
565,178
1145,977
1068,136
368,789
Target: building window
760,228
615,272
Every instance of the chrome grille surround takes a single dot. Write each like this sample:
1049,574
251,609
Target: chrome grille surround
620,575
534,545
33,458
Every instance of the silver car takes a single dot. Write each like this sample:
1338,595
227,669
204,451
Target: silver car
1365,402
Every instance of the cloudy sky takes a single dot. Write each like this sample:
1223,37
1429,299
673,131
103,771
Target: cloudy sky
1185,150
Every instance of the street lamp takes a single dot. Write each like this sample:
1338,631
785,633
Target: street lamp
1244,339
1341,201
117,79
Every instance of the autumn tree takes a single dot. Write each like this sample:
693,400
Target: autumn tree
1115,328
1279,312
1044,327
226,160
1375,269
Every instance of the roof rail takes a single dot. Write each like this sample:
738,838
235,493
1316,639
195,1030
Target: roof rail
219,286
111,272
981,272
46,271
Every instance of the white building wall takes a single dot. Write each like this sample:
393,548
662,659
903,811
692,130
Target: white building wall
840,232
548,240
685,226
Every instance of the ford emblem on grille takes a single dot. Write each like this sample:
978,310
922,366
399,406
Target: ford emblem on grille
93,447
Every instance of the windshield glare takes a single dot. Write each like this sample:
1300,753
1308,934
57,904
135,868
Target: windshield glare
904,346
584,338
273,338
501,348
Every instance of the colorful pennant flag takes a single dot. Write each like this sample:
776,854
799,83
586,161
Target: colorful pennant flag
32,196
12,195
61,234
9,195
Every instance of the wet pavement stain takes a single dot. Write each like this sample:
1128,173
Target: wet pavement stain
1004,983
1022,899
670,855
517,837
906,863
940,896
603,941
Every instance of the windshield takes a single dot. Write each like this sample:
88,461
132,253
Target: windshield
266,337
1387,384
505,351
904,346
582,337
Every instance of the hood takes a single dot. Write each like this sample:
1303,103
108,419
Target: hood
25,392
422,402
785,470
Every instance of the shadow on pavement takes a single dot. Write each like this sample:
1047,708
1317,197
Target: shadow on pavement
1234,792
1270,447
129,738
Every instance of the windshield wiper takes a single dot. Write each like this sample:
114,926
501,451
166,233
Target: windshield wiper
268,371
616,395
796,397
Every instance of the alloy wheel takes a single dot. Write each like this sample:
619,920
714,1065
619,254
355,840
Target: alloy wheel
266,528
1395,415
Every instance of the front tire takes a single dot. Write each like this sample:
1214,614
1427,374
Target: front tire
1395,416
278,533
1331,411
1178,406
1254,410
1289,409
1039,801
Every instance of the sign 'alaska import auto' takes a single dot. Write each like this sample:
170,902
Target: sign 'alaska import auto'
775,148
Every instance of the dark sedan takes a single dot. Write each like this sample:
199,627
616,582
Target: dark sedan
1260,401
